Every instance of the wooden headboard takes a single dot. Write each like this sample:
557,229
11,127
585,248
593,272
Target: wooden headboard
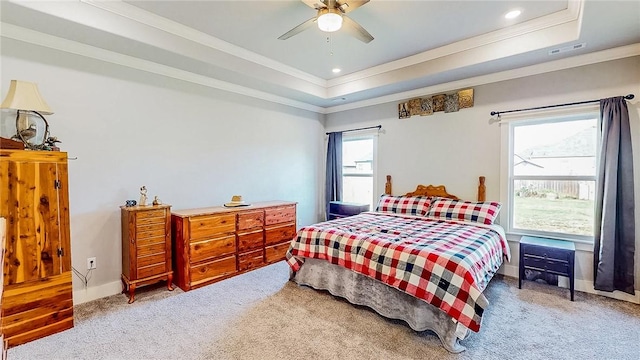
440,190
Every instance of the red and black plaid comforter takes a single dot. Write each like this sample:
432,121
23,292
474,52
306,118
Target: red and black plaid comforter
447,264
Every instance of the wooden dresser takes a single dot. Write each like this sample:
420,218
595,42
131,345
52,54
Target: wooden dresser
37,295
146,247
3,344
211,244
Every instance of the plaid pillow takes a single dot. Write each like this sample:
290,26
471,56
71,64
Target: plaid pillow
412,205
448,209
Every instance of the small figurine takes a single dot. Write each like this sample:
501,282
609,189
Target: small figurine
156,201
51,143
143,196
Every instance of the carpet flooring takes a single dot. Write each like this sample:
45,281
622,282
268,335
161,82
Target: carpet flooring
262,315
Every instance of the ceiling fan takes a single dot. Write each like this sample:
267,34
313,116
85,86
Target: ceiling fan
331,17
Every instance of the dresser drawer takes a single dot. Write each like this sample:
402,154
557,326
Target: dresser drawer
151,270
280,214
207,249
250,260
151,240
202,227
159,213
274,235
276,253
151,249
148,231
248,241
212,270
148,260
250,220
151,221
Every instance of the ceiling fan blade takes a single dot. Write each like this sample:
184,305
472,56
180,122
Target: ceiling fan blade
349,5
316,4
354,29
298,29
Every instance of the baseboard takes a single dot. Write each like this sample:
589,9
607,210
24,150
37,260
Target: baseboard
96,292
580,285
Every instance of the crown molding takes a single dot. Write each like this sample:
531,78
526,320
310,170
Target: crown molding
137,24
37,38
172,27
45,40
571,15
555,65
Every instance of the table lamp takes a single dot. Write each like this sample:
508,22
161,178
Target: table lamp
25,98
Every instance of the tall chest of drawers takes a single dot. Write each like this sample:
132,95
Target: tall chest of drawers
211,244
146,247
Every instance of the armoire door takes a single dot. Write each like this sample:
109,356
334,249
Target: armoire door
37,296
30,204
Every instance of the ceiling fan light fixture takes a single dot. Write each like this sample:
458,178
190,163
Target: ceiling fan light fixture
329,20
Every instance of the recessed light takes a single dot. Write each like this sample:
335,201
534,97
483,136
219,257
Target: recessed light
512,14
336,70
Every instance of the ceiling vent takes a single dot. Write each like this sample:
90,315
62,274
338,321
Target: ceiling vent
567,48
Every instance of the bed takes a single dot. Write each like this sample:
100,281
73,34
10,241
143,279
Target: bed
424,258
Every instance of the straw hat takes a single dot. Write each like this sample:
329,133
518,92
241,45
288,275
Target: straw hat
236,200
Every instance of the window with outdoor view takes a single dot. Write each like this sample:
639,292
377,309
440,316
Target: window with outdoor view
553,176
358,170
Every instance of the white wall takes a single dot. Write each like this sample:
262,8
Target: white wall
455,148
192,146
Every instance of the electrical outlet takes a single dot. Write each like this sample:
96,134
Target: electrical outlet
91,263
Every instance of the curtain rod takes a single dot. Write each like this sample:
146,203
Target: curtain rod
364,128
628,97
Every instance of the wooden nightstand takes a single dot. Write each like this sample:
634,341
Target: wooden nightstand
340,209
547,255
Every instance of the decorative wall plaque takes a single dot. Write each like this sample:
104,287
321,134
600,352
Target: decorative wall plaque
465,98
403,111
414,106
451,103
426,106
438,102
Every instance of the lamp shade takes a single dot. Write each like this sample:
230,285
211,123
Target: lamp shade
329,20
24,95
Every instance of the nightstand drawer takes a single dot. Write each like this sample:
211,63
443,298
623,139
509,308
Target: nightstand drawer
545,252
558,267
341,209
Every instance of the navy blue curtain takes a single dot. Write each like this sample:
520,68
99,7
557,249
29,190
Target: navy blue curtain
614,244
333,190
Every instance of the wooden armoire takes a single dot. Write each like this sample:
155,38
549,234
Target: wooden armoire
37,297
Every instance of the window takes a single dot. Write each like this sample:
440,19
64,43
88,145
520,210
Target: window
552,177
358,169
